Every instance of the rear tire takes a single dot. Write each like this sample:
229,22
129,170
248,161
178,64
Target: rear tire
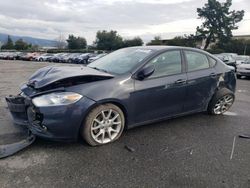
221,102
239,76
103,124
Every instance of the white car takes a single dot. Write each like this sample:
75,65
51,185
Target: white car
242,58
243,69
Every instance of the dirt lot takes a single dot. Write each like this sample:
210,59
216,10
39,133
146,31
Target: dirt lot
191,151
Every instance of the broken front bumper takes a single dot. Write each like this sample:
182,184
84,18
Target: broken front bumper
17,107
60,123
23,113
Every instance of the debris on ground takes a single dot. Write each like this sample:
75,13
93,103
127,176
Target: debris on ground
10,149
244,136
130,149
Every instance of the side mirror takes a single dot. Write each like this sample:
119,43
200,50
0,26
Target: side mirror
145,72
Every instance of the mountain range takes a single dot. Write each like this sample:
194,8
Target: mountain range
30,40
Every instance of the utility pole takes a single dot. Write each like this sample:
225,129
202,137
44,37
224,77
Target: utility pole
245,49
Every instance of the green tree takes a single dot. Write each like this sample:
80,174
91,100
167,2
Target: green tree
21,45
76,42
137,41
9,44
156,41
108,40
219,21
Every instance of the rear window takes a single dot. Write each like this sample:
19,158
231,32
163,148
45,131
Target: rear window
196,61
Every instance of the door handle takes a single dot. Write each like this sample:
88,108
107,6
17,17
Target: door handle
180,81
213,75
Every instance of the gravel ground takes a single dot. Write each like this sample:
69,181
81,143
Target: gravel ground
191,151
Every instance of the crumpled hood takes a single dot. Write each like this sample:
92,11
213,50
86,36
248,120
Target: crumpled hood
48,75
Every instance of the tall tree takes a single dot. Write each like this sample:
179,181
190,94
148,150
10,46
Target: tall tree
9,44
21,45
219,21
108,40
137,41
76,42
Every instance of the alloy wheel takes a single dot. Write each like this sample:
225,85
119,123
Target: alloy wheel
223,104
106,126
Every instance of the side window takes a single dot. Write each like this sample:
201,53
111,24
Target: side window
196,61
212,61
167,63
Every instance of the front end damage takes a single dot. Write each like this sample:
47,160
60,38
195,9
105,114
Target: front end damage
59,123
53,122
24,112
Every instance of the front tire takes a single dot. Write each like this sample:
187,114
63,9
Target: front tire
221,102
104,124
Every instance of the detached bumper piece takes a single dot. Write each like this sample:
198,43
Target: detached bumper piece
10,149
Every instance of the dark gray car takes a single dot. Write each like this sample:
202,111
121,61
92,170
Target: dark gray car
127,88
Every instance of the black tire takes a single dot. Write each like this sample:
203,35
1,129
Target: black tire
238,76
86,131
219,95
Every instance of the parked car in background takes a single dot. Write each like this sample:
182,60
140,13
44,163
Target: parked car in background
83,58
8,56
1,55
56,57
20,55
233,55
243,69
70,57
242,59
228,59
29,56
61,57
91,59
126,88
43,57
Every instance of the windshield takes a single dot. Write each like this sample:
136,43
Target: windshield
121,61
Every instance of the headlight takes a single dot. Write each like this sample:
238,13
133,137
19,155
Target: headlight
56,99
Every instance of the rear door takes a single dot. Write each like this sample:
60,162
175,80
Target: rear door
163,93
201,80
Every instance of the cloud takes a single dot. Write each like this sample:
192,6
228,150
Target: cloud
146,18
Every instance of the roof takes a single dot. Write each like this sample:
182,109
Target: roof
163,47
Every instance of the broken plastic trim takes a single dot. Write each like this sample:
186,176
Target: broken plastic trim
10,149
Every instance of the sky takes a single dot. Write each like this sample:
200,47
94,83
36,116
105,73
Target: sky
144,18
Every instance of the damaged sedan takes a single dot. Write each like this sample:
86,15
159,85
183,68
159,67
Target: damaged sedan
124,89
